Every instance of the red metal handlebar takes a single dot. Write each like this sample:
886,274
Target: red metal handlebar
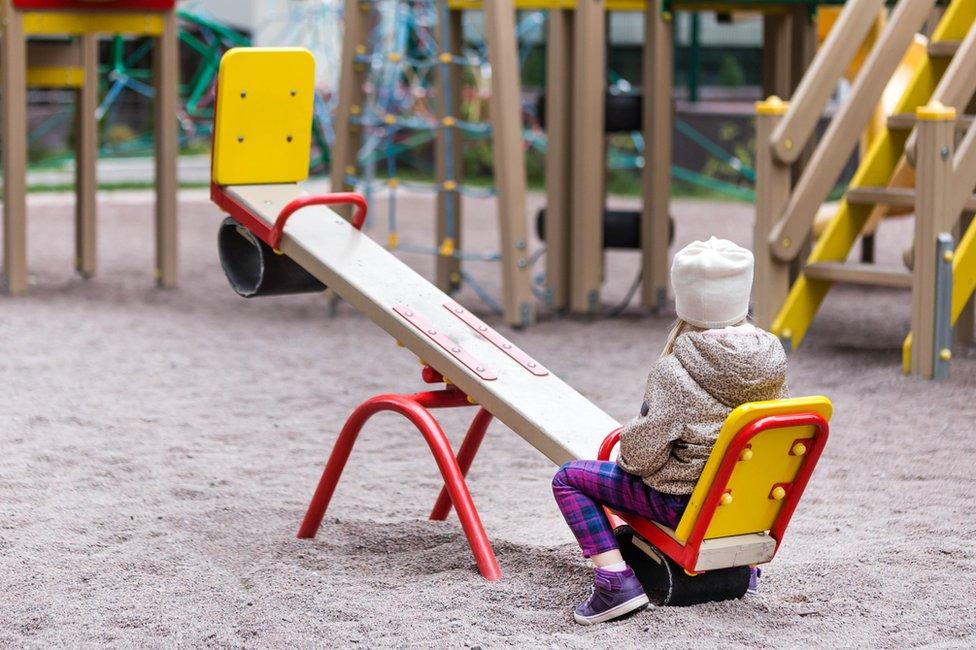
336,198
606,447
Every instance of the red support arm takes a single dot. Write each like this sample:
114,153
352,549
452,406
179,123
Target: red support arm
336,198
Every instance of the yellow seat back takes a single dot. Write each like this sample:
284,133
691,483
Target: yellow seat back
263,120
751,509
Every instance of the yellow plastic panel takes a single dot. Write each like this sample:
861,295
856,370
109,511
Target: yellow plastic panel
68,23
263,125
751,510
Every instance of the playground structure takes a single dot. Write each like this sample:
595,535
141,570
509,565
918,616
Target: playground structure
921,133
279,239
68,58
576,86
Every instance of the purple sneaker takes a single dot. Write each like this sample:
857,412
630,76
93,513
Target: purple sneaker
754,574
615,593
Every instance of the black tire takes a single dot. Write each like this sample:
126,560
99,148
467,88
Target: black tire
666,583
622,113
621,228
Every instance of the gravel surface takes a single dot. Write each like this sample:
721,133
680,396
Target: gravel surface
159,448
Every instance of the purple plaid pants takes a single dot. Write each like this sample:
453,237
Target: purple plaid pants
582,487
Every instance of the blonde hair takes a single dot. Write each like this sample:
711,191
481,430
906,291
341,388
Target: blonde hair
682,326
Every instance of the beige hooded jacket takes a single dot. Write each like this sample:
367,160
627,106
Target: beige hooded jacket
688,396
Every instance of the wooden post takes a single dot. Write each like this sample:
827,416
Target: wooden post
86,159
448,151
777,55
509,161
356,15
13,143
936,130
559,135
656,175
166,70
772,276
588,162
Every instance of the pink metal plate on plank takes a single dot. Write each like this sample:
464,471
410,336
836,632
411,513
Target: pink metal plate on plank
496,339
446,342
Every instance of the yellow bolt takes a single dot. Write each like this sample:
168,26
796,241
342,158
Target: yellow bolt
391,241
448,121
945,354
456,278
726,499
355,110
447,247
445,57
399,343
395,56
787,242
351,169
948,256
778,493
450,186
666,16
360,49
472,401
746,454
787,334
277,251
390,119
393,183
799,449
788,144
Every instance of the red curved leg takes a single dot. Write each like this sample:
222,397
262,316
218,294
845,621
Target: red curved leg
469,447
421,418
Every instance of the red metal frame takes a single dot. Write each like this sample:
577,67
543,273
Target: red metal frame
686,554
98,5
416,408
272,235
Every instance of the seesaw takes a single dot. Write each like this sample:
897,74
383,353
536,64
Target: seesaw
280,239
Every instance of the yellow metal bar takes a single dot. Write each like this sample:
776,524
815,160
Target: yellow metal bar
70,23
55,77
625,5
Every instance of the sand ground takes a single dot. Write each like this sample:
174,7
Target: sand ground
159,448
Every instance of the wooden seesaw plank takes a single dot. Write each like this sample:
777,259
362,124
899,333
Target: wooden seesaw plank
547,412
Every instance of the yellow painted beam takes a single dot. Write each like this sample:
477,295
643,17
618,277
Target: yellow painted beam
55,77
74,23
626,5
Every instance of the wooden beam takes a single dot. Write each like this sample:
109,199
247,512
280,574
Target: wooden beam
166,71
588,156
936,134
509,161
559,169
13,133
658,134
86,158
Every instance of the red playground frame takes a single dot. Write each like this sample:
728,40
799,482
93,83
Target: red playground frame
454,469
686,554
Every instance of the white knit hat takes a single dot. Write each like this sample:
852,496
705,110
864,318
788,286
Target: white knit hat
712,283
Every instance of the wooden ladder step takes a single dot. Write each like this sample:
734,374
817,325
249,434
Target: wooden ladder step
859,273
896,197
944,49
906,121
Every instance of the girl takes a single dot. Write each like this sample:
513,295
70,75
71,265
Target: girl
713,362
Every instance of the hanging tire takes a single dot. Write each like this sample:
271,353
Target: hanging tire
666,583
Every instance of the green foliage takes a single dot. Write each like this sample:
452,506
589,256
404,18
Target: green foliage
730,72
